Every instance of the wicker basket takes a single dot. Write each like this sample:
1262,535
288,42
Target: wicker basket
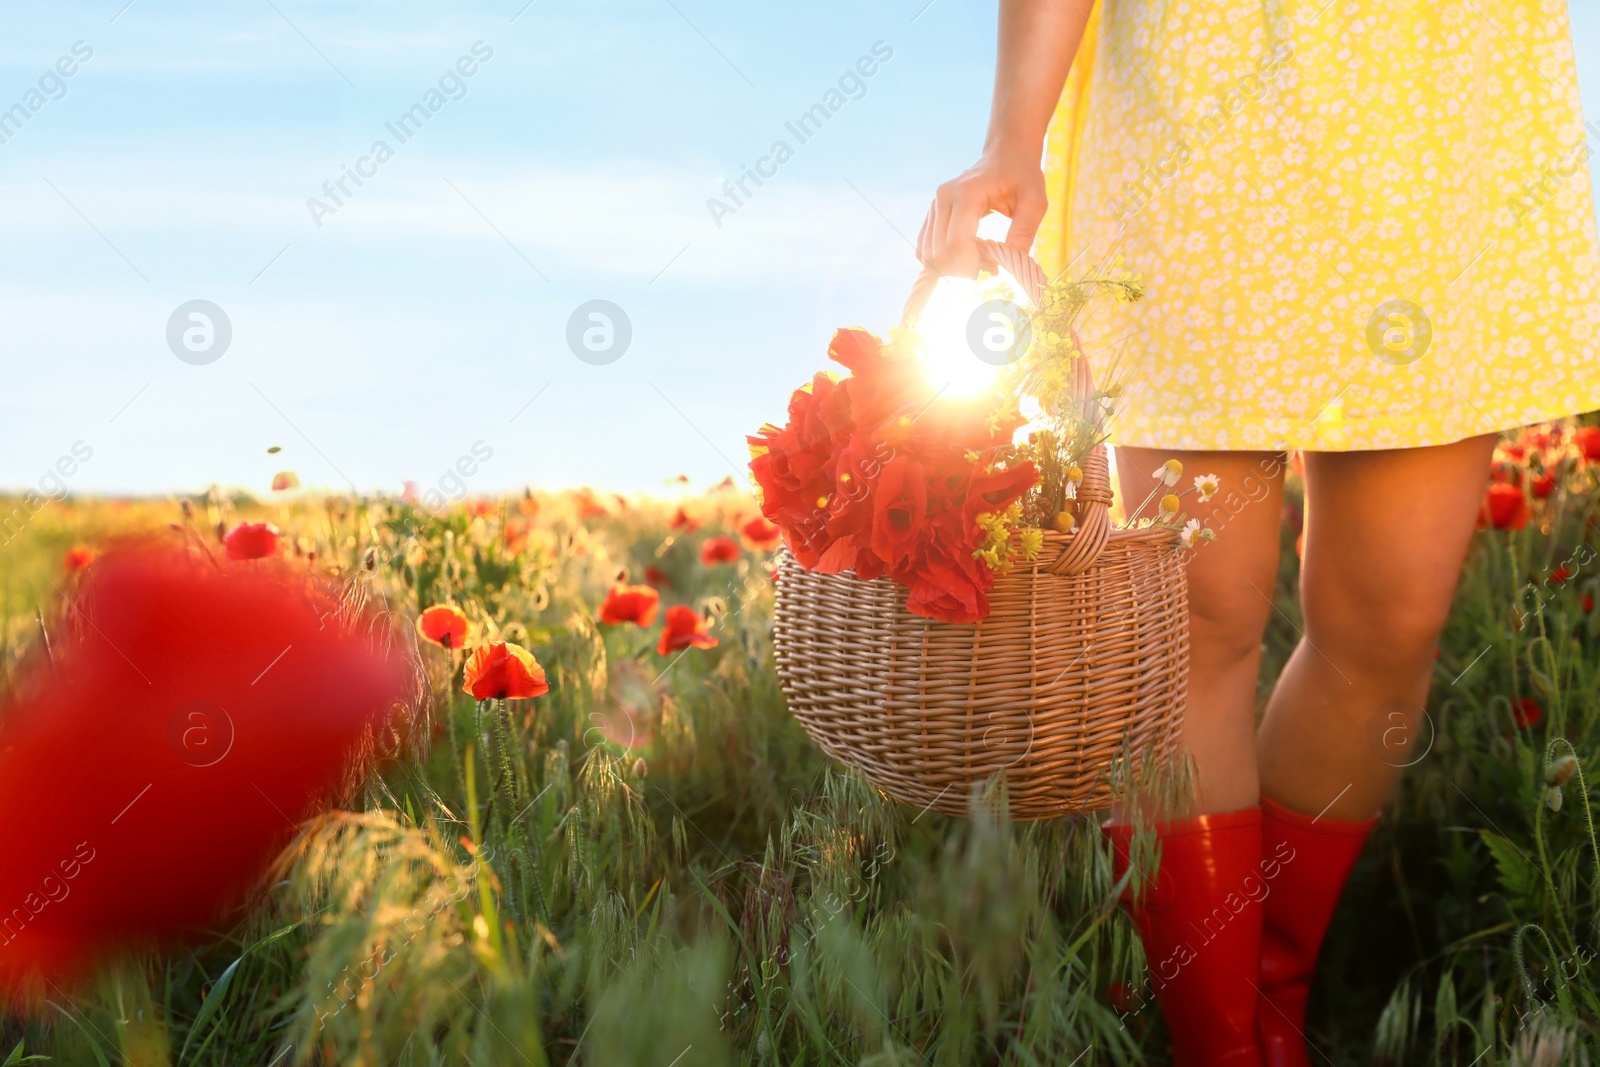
1083,658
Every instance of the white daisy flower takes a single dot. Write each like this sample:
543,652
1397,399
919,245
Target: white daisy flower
1168,473
1206,485
1193,533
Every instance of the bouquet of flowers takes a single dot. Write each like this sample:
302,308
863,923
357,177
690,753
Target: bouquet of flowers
882,473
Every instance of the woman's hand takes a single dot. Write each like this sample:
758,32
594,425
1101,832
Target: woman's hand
1038,39
1009,183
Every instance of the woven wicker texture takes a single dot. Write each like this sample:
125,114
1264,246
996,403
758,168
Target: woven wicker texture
1066,674
1082,660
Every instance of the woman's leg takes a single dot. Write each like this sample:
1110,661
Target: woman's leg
1230,599
1386,533
1198,915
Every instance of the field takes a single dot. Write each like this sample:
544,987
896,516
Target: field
652,865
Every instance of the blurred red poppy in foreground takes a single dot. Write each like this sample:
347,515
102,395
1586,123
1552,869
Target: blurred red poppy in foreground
444,625
251,540
630,603
1505,508
77,559
759,535
719,550
1527,713
503,671
685,628
194,716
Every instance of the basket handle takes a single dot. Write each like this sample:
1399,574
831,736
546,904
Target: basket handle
1093,527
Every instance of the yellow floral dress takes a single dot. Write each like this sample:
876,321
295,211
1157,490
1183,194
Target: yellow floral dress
1360,225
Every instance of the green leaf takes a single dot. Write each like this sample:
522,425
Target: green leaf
16,1059
208,1007
94,1045
1517,873
219,988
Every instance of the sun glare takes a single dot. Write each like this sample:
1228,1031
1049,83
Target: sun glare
969,331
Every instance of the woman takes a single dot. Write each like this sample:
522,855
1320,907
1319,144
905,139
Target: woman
1366,233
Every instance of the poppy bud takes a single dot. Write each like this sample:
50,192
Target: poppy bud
639,768
370,561
1561,770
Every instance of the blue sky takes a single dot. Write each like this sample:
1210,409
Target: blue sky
432,303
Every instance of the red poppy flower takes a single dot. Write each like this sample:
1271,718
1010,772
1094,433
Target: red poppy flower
589,507
1542,485
251,540
503,671
1541,438
206,714
794,465
900,506
685,628
1505,507
630,603
1587,602
878,473
1587,440
657,577
719,550
950,589
77,559
285,480
1527,713
1560,574
759,535
1516,452
444,625
682,520
516,537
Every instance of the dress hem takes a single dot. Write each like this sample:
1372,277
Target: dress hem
1378,434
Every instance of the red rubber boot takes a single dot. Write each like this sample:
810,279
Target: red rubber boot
1308,860
1200,922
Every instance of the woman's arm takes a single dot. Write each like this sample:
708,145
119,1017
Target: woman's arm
1038,39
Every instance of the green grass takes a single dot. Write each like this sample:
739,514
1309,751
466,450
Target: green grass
525,891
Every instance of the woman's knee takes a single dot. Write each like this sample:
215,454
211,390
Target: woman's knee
1224,626
1385,633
